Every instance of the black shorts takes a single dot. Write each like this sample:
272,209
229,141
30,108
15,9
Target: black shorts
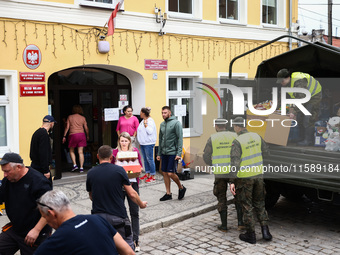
169,164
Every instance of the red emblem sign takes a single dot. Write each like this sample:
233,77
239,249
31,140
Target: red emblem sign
32,90
32,56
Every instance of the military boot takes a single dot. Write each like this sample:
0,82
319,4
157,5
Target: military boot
265,233
239,216
223,227
309,137
248,237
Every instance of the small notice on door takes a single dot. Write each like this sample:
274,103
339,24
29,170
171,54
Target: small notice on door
122,104
111,114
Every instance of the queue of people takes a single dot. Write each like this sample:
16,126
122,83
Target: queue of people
108,184
33,207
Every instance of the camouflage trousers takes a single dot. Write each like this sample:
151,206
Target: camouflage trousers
220,191
313,106
251,195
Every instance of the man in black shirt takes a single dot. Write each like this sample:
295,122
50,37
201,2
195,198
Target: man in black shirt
20,188
41,152
105,184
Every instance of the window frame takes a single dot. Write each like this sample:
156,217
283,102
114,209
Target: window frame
195,15
242,14
226,18
223,75
10,101
277,14
196,95
92,3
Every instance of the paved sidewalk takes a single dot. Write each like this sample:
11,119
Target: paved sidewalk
198,199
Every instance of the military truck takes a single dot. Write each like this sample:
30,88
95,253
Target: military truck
311,170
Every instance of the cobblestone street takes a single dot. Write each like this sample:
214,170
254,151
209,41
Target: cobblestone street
297,228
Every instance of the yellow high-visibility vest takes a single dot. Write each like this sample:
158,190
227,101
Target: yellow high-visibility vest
221,145
252,161
314,86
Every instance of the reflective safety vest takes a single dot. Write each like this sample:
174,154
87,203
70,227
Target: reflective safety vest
221,145
252,162
314,86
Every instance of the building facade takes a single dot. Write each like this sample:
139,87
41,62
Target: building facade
160,50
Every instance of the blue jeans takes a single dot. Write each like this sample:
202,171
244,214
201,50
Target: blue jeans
149,162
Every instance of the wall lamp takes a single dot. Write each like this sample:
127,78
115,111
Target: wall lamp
160,18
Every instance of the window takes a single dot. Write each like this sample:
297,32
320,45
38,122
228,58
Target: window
3,103
181,6
269,12
111,4
228,9
101,1
9,123
224,79
182,94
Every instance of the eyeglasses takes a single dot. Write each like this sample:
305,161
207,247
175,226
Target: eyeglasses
42,204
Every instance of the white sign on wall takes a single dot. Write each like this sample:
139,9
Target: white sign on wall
111,114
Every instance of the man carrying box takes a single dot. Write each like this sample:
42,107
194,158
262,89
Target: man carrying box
104,184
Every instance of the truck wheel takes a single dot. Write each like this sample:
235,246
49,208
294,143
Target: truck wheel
292,193
272,194
271,200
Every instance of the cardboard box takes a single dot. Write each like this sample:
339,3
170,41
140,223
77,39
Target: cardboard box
257,121
270,127
133,171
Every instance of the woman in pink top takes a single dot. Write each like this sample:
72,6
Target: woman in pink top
76,123
128,123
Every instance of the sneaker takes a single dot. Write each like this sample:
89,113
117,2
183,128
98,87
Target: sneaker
137,248
144,177
81,170
166,197
151,179
74,168
181,192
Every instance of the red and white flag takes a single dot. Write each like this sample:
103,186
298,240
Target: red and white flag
111,24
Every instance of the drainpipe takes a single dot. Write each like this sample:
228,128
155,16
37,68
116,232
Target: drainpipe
290,24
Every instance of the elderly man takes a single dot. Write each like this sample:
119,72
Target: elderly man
20,189
77,234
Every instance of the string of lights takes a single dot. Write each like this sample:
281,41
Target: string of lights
56,35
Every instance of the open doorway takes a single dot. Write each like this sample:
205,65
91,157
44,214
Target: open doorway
94,89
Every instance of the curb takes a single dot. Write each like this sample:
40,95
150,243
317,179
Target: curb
166,222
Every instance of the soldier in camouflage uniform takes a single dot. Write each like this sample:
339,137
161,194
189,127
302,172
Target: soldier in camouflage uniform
246,153
305,81
217,154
